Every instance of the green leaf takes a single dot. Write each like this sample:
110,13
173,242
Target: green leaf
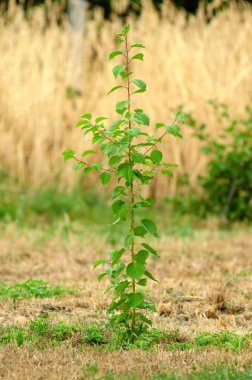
84,123
140,231
140,84
151,307
117,270
148,274
101,275
118,190
120,209
105,178
136,299
99,262
145,203
167,172
128,115
116,221
114,88
139,56
115,125
86,116
135,270
116,255
118,69
112,306
141,256
150,201
159,125
117,206
119,40
67,154
138,45
104,147
115,53
122,106
125,30
169,164
119,132
125,75
134,131
150,249
128,240
150,226
78,166
111,150
88,170
121,287
142,282
156,156
141,118
152,138
97,137
100,119
124,170
174,130
97,166
123,145
87,152
113,161
138,157
180,116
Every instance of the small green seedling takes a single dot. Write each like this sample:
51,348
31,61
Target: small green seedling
132,159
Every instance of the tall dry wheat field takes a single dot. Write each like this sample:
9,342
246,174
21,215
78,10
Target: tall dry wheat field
185,63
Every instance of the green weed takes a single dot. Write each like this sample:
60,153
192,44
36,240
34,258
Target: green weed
38,331
32,289
94,334
182,346
144,341
41,331
226,340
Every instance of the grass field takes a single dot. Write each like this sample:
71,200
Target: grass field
55,328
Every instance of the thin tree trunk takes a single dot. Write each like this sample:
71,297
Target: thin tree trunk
230,196
76,17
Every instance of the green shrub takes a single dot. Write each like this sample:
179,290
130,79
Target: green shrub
227,183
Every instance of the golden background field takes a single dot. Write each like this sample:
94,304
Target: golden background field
185,63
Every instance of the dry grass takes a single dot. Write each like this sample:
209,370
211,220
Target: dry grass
67,364
204,285
185,64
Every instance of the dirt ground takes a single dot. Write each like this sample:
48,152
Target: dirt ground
205,285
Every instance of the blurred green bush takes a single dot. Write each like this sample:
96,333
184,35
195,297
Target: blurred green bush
227,183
